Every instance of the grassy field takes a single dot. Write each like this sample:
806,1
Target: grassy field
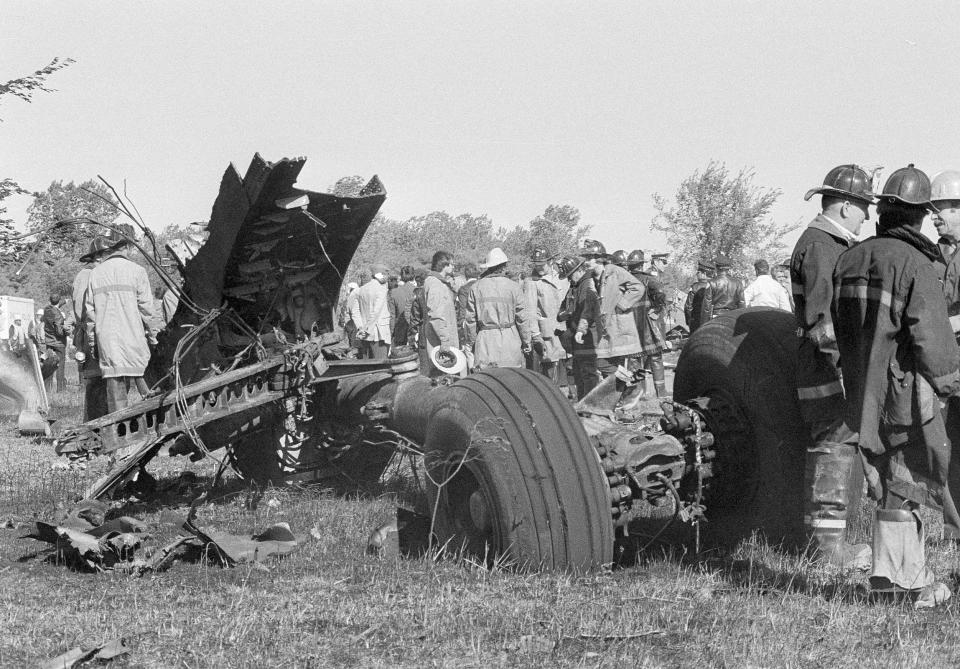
331,604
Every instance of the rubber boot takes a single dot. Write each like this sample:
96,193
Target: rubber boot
657,372
899,560
831,468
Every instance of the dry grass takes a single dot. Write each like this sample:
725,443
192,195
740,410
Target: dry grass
330,604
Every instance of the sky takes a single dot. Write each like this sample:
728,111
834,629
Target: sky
497,108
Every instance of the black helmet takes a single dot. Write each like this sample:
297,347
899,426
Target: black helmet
541,255
568,265
592,248
845,181
908,185
619,258
635,258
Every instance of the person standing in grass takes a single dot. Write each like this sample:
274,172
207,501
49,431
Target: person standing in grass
649,324
833,479
898,354
119,303
55,338
88,365
617,337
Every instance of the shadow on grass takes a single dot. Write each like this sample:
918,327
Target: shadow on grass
752,567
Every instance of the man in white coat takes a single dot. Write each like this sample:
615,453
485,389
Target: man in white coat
372,316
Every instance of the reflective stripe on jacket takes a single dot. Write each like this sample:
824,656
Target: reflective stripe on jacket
814,258
896,347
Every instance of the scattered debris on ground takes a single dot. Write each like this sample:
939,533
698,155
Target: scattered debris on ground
78,656
84,540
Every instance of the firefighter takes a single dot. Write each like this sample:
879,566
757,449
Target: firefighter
619,293
119,303
652,339
498,319
833,481
898,354
723,293
945,197
693,307
91,379
580,312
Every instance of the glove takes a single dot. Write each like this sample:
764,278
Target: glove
537,345
578,337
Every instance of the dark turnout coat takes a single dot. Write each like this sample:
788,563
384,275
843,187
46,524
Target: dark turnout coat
647,314
814,258
897,354
581,311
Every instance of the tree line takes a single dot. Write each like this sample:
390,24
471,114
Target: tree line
714,211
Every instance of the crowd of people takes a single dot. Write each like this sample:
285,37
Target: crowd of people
575,319
877,367
877,370
876,348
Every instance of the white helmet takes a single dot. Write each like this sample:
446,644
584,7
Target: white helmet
945,186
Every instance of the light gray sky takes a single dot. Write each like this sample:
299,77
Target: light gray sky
499,108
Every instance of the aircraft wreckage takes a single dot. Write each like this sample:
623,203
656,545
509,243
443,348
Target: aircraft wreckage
515,468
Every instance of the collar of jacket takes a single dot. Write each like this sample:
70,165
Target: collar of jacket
914,238
831,227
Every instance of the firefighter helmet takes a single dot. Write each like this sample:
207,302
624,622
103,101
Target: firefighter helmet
908,185
635,258
591,248
541,255
619,258
568,265
845,181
